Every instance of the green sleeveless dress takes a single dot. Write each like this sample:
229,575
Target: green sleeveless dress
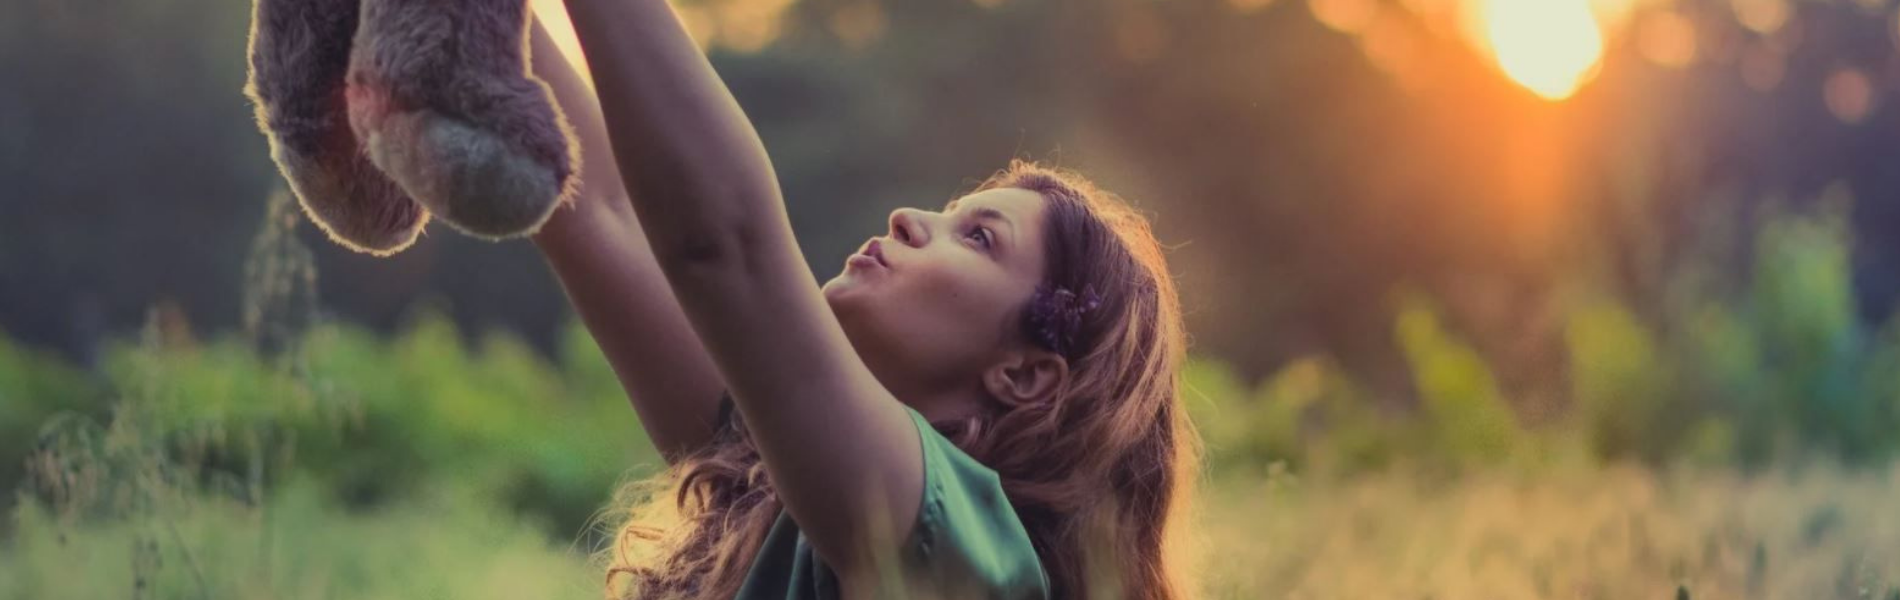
967,542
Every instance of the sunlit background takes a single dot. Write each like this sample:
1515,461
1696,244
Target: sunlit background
1489,298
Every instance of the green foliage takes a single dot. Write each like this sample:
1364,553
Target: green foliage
1342,430
295,543
1809,325
1751,378
33,389
1784,368
1778,364
1466,414
1791,363
1307,414
350,466
367,419
1310,415
1621,382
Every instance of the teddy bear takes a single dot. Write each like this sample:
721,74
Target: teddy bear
384,113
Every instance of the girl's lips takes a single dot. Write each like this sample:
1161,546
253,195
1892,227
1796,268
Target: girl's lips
876,250
862,261
871,256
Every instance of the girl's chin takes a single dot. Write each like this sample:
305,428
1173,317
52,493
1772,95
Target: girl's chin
848,280
848,296
842,288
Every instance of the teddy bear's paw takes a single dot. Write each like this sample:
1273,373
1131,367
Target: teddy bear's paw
441,95
469,177
298,55
350,200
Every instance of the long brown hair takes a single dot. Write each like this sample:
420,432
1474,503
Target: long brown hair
1099,476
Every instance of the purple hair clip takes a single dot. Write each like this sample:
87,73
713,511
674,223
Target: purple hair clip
1056,315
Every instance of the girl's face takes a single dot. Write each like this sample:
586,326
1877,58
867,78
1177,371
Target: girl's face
936,301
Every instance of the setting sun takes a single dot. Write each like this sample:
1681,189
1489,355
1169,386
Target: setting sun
1550,47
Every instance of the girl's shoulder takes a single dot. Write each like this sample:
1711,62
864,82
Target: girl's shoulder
967,532
967,542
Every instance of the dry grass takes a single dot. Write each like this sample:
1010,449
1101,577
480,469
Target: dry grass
1800,533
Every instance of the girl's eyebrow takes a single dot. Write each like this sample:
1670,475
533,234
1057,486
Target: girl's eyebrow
982,212
987,213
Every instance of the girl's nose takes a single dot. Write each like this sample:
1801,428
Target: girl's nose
907,226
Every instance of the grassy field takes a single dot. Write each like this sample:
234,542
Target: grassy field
1815,532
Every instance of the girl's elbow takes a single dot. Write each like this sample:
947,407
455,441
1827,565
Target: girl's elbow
704,222
708,247
724,250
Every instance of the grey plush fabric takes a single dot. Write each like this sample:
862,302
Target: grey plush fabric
299,53
441,95
381,113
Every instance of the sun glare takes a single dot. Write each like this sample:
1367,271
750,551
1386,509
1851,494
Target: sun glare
1550,47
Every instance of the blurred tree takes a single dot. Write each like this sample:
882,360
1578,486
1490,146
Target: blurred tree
1305,169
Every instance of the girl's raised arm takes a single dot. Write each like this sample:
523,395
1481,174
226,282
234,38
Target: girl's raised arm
601,257
843,454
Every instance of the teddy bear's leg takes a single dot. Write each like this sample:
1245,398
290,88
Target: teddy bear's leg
442,94
299,53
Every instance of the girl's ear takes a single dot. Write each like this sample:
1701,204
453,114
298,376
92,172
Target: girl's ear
1027,377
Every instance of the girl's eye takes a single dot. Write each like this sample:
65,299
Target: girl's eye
982,234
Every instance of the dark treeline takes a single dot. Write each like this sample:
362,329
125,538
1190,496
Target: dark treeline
1304,181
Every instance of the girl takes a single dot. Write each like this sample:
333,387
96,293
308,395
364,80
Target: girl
982,403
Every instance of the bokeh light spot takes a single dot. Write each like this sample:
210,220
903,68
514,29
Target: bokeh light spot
750,26
1763,16
1550,47
1667,38
699,24
858,24
1849,95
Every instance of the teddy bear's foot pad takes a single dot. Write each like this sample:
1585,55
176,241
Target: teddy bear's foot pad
350,200
441,93
471,178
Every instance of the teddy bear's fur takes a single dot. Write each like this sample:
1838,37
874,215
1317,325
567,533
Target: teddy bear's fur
300,51
440,93
435,94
